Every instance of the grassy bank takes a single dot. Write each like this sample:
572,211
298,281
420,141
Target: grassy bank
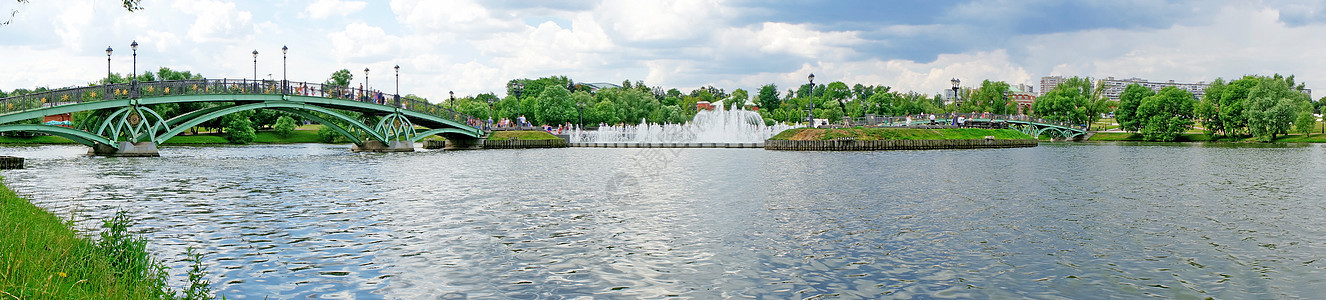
1133,137
874,134
262,137
41,257
529,135
1201,137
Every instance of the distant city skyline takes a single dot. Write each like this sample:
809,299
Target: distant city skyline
474,47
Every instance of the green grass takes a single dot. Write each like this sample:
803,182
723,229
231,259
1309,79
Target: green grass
522,135
263,137
872,134
36,140
1137,137
1202,137
1299,138
42,258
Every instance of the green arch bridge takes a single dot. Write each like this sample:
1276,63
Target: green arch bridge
134,129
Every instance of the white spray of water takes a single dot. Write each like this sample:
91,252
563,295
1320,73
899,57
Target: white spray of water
709,126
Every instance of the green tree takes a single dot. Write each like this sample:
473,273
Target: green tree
739,98
1306,121
1166,114
602,112
1076,101
634,106
1233,99
1129,101
988,98
1272,106
768,97
239,129
285,125
341,77
555,106
838,92
1208,108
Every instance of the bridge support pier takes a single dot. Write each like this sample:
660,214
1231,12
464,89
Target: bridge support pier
127,149
377,146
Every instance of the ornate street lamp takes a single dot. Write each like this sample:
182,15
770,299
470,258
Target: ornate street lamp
580,105
108,69
956,99
134,46
285,77
366,86
520,87
1005,108
453,99
255,65
810,103
398,80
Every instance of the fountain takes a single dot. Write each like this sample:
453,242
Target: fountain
716,128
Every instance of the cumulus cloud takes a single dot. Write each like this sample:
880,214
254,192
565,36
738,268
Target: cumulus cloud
662,20
216,21
462,16
322,9
472,46
1245,40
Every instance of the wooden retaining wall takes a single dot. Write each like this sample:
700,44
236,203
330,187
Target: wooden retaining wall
854,145
10,162
524,144
503,144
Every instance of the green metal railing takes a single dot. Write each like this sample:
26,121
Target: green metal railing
137,90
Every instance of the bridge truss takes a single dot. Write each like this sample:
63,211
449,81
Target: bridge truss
132,119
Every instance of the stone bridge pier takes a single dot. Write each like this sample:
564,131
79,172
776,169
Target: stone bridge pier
378,146
127,149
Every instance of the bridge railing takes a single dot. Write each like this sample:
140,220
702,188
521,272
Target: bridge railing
134,90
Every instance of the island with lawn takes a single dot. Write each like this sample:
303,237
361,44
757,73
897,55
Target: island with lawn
868,139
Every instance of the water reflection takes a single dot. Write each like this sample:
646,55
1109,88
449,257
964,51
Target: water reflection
1059,220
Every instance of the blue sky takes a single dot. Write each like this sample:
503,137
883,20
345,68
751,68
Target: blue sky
476,46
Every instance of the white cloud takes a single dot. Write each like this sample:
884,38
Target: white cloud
901,75
216,21
471,46
326,8
451,16
662,20
361,42
800,40
72,23
1242,40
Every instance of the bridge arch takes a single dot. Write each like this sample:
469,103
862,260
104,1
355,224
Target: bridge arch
226,110
79,136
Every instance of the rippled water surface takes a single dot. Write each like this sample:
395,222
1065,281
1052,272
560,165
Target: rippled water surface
1055,221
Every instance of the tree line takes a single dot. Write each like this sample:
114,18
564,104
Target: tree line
1262,107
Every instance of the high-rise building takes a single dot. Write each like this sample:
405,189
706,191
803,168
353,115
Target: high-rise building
1049,82
1111,88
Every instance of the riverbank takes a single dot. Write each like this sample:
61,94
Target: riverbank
871,139
879,134
1200,137
41,257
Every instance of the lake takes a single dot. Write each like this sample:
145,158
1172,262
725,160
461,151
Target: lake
1062,220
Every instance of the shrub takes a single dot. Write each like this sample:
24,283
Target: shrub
284,126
